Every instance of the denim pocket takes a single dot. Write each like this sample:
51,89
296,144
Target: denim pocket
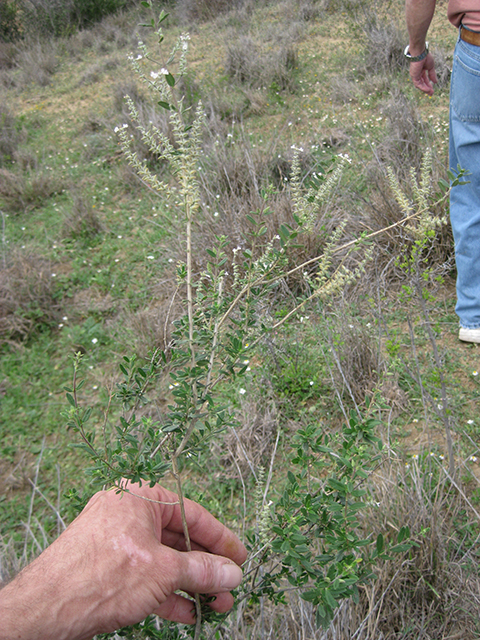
465,91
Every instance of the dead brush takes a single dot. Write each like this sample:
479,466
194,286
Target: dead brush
42,525
27,295
355,363
10,563
112,34
404,143
81,222
381,36
11,135
232,178
429,592
250,445
8,55
24,192
381,211
385,44
37,62
433,590
235,178
151,326
443,67
248,64
406,136
191,10
343,90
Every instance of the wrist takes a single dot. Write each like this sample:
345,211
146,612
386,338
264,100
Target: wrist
40,605
415,53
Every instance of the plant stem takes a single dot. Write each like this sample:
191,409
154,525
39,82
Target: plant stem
198,606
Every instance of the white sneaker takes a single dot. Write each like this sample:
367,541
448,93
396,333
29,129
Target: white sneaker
469,335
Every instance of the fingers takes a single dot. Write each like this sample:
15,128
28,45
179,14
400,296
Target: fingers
206,532
200,572
423,83
180,609
423,74
196,572
432,74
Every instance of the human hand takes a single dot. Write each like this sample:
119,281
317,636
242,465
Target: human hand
122,559
423,74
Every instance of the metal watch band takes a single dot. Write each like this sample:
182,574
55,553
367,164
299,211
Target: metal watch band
422,56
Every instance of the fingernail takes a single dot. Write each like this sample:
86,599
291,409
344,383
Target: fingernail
231,576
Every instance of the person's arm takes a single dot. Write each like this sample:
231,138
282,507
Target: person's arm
419,14
121,560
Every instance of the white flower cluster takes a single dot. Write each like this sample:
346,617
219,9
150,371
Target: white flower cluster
184,38
156,74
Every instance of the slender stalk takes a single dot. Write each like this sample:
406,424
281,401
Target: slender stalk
198,606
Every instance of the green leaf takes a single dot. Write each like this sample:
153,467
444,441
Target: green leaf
310,596
284,232
163,16
329,599
170,80
145,4
164,105
380,543
71,399
403,534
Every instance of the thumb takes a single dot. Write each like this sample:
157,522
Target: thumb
207,573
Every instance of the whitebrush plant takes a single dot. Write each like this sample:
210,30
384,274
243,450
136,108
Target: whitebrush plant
312,543
416,265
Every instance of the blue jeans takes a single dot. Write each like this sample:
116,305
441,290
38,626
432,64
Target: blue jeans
465,199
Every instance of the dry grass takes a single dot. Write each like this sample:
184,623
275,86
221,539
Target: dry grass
249,446
37,62
431,592
358,366
152,326
248,64
406,135
81,221
10,563
24,192
193,10
8,54
27,295
11,135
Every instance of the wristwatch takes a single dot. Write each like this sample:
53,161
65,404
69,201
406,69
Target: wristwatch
422,56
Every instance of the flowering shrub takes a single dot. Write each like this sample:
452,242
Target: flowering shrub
307,539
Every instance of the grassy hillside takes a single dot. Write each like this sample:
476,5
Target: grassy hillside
89,265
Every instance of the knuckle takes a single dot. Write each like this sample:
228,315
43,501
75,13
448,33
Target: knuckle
208,572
